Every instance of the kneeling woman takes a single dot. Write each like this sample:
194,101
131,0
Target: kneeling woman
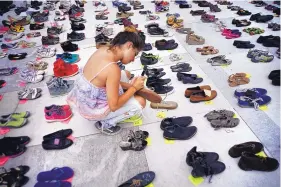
98,94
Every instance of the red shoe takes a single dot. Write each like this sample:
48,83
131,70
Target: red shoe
226,32
59,114
56,107
62,69
232,35
78,14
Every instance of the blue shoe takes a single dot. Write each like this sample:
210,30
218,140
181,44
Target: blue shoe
253,92
147,47
245,101
69,58
117,4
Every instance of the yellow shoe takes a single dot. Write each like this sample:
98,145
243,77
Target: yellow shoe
17,28
171,20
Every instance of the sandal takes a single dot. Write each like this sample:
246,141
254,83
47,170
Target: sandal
216,58
206,48
12,179
237,75
236,81
225,122
133,144
223,62
210,52
175,57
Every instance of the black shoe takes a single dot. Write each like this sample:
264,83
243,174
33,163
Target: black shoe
276,81
36,26
183,121
69,47
197,12
145,12
74,36
13,150
250,161
154,72
177,132
124,8
77,27
272,42
236,42
161,89
35,3
245,46
243,12
77,8
57,143
201,168
255,16
20,170
77,20
166,44
264,18
20,140
156,30
17,56
274,74
13,179
58,134
50,40
203,4
152,80
148,59
193,155
251,147
19,10
138,7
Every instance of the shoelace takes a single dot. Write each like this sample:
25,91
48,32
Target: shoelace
250,100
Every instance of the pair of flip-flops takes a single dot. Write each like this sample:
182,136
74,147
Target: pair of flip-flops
55,178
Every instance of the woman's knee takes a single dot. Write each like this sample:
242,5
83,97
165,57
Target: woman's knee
141,100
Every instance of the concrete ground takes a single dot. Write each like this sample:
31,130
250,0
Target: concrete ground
97,159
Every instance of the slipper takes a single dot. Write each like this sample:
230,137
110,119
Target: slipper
57,143
210,52
169,105
238,81
53,184
223,62
140,180
225,122
63,173
206,48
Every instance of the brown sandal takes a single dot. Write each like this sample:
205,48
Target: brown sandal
210,52
237,75
206,48
238,79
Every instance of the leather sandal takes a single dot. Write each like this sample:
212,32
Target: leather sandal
210,52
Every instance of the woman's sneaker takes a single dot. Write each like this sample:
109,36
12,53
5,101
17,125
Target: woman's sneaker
109,131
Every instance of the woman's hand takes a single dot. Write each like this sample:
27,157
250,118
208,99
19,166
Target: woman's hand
138,83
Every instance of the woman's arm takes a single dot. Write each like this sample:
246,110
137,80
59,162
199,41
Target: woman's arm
112,90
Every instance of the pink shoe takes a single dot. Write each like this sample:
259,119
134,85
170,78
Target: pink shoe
231,36
226,32
56,107
59,114
3,30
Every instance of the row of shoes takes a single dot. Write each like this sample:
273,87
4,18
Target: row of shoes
222,119
59,87
178,128
219,60
250,157
200,93
13,120
57,140
57,113
252,97
260,56
275,77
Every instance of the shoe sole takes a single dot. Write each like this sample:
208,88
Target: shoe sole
58,120
202,100
181,139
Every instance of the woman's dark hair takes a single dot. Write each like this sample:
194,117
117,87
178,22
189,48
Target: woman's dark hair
125,36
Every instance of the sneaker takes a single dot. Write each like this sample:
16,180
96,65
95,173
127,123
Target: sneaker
69,47
256,102
40,18
30,94
250,161
57,87
13,36
8,71
160,89
31,76
54,30
148,59
45,52
183,121
109,131
62,69
60,114
9,45
56,107
69,58
17,56
250,147
193,155
74,36
50,40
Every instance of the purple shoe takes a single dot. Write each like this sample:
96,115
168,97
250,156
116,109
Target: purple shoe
63,173
53,184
